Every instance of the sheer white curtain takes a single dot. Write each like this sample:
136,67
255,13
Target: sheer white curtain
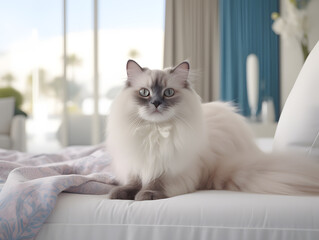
192,32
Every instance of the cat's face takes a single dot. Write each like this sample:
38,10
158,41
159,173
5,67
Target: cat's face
157,93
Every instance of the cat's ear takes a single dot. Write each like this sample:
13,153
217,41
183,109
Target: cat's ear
184,66
133,69
180,73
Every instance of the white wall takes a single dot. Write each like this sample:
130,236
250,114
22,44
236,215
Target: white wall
291,58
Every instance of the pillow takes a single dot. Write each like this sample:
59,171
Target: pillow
298,126
6,114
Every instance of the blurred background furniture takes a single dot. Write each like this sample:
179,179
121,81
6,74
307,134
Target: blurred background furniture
80,129
12,127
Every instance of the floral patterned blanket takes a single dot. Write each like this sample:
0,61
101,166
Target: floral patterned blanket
30,185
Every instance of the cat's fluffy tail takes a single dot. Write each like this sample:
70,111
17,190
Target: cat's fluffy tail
267,173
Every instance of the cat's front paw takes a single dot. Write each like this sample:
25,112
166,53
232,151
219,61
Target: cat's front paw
123,192
149,195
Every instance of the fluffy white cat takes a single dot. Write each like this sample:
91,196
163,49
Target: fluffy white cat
165,142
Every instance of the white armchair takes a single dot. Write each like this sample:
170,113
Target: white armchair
18,133
12,128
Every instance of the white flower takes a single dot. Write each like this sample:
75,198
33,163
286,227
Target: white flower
293,24
279,26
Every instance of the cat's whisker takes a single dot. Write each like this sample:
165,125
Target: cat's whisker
181,119
135,121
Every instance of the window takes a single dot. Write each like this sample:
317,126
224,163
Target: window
31,59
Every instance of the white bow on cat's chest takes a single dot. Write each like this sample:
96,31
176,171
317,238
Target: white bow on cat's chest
152,131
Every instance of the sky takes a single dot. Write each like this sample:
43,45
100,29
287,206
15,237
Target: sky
31,38
19,17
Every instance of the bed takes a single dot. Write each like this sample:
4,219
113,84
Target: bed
46,204
64,195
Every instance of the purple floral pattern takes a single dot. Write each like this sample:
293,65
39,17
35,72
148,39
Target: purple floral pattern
32,184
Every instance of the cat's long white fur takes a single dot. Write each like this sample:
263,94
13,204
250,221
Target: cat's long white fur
204,146
240,165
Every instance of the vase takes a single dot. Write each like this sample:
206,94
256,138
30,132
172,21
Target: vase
267,111
252,80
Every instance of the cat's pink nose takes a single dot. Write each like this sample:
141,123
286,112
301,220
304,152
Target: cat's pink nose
156,103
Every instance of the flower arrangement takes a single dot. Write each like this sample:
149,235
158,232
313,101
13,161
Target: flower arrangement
294,24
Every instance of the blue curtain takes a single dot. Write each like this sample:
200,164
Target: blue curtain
245,28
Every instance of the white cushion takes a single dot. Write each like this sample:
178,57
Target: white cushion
298,126
6,114
200,215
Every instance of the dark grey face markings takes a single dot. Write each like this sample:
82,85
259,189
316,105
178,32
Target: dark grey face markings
161,96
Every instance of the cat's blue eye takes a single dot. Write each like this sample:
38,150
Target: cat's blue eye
144,92
169,92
